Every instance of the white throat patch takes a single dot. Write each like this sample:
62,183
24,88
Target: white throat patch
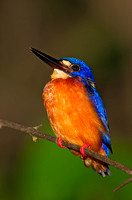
59,74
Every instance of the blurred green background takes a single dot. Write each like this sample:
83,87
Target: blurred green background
97,32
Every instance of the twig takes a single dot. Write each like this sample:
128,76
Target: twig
123,184
32,131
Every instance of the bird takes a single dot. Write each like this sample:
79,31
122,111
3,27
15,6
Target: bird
75,109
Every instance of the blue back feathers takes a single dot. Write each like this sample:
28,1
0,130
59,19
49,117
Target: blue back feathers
87,77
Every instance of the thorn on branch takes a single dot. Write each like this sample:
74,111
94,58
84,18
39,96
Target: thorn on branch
35,138
36,128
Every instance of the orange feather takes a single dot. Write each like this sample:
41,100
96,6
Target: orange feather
71,113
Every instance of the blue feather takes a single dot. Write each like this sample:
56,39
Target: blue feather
100,109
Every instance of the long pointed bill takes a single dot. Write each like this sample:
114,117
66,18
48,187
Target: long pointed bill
54,63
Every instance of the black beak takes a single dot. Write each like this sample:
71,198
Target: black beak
54,63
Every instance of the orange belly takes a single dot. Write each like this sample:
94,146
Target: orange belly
71,113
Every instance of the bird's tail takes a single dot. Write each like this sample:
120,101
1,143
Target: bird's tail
98,166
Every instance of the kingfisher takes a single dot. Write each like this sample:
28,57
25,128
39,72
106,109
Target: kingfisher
75,110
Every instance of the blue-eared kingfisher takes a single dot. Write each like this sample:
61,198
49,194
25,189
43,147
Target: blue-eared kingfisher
75,110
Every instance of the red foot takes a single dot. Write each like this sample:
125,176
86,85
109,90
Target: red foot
59,142
86,145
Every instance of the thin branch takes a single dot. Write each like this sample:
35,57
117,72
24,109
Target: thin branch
33,132
123,184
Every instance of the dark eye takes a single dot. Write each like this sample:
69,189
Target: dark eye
75,68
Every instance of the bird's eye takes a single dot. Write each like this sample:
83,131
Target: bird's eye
75,68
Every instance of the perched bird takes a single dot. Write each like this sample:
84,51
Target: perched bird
76,112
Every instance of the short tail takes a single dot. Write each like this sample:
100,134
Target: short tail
98,166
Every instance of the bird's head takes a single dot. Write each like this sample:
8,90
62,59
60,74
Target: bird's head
67,67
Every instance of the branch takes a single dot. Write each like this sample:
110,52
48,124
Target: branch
32,131
123,184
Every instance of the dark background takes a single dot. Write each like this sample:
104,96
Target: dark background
97,32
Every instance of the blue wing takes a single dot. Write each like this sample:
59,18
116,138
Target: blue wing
100,109
99,106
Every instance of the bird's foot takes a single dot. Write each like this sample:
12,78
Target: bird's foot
59,142
86,145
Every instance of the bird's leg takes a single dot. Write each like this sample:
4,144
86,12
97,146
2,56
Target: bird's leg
86,145
59,142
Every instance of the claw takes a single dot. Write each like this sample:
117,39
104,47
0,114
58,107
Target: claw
102,173
86,145
107,172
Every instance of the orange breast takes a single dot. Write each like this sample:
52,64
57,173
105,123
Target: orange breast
71,113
